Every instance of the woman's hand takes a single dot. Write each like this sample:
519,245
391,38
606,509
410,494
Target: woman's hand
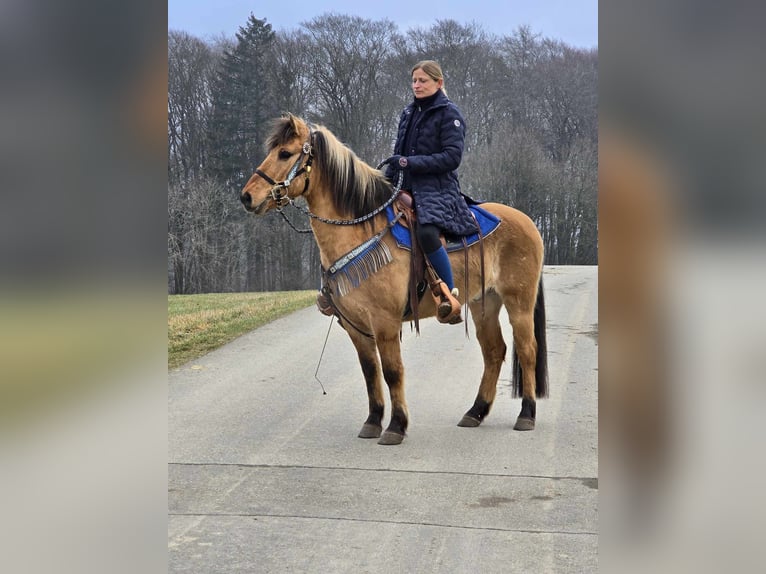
399,161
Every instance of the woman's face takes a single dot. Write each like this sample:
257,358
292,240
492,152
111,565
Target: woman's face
423,85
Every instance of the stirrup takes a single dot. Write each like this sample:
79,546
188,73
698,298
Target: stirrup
448,307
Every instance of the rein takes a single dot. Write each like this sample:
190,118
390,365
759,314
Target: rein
358,220
284,199
362,219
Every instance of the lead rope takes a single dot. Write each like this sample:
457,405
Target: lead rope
316,373
290,223
394,195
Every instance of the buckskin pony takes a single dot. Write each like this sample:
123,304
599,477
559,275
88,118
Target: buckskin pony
368,274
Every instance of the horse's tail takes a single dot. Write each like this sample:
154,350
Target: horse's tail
541,362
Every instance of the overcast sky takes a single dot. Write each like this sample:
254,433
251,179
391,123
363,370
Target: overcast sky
574,22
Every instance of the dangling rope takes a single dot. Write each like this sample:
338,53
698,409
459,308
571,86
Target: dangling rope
332,320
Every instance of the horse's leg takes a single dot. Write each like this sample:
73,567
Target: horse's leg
368,359
393,373
525,352
493,350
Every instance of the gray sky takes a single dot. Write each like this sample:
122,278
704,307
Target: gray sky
574,22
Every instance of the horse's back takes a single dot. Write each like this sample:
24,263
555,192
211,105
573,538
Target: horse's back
514,255
516,227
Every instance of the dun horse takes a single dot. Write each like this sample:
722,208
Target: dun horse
345,197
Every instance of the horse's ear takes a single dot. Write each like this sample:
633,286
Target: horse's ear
293,121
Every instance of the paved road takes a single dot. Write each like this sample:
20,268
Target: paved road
266,473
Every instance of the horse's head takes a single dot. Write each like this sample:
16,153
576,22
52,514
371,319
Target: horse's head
344,185
277,180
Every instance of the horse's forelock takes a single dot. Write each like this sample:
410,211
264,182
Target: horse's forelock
283,130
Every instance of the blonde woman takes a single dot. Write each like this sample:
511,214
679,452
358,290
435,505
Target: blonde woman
428,149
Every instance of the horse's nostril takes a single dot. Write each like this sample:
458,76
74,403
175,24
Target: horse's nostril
246,199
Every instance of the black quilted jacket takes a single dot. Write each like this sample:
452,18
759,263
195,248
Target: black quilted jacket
435,154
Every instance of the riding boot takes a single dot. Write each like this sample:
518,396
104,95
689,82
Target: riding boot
443,288
447,305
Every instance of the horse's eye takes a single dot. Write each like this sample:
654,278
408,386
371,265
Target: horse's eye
284,154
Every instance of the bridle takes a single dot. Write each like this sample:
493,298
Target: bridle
277,186
281,200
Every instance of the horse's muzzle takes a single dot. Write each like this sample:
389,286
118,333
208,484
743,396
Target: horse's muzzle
247,201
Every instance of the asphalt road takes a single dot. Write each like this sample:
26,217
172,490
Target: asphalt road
266,474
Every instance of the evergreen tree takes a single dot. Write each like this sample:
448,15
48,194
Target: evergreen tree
242,104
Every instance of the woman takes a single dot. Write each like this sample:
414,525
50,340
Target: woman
429,147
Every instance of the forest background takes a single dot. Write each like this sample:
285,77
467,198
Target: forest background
530,105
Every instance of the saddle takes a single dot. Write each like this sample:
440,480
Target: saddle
402,221
422,273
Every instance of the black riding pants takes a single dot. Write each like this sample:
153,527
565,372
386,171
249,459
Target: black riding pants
428,235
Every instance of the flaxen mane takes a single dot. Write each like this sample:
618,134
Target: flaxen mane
357,188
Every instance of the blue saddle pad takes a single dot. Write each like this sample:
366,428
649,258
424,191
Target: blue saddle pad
487,223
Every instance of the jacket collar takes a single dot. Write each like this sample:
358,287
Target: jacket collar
440,101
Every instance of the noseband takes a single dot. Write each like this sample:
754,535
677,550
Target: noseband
277,186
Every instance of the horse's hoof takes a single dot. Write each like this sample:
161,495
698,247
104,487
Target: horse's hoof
524,424
469,421
391,438
370,431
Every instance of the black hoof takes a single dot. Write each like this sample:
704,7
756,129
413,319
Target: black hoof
523,423
469,421
389,437
370,431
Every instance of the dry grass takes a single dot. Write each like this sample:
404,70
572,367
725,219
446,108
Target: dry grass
198,324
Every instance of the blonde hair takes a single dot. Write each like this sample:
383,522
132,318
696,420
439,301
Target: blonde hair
432,69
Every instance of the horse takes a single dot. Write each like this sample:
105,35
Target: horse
344,198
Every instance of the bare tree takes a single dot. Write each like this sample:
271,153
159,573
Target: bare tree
347,66
203,248
290,75
465,54
191,68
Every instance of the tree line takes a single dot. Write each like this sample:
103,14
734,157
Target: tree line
530,105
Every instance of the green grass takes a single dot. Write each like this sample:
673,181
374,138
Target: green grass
197,324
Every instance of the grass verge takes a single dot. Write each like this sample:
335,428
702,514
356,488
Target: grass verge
198,324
